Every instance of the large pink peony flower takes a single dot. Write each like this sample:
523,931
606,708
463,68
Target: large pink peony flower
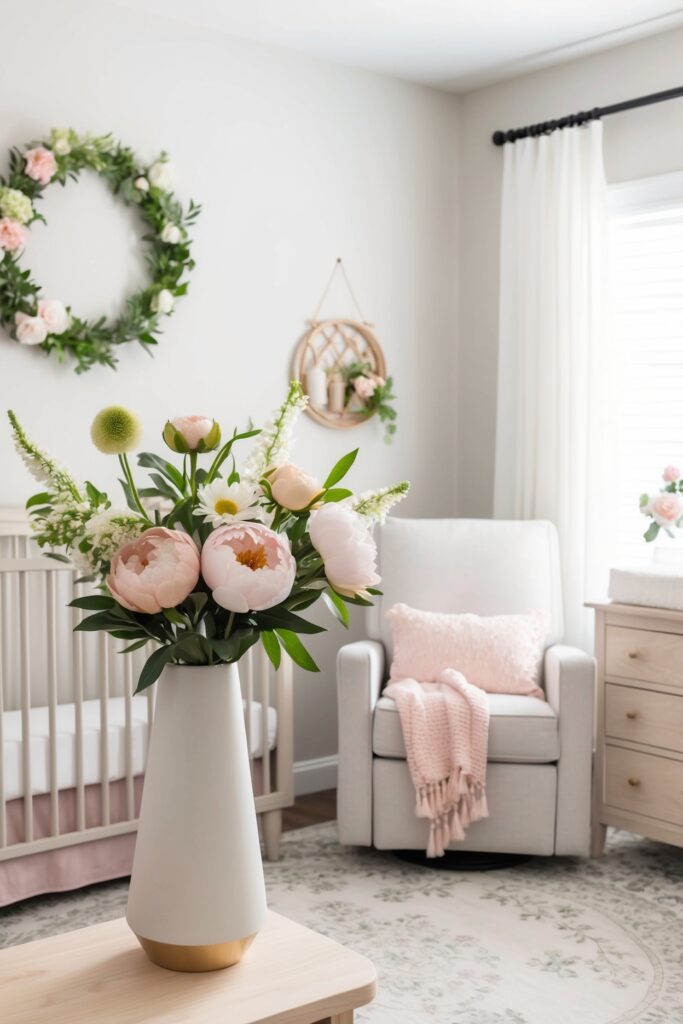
157,570
348,551
13,235
248,567
41,165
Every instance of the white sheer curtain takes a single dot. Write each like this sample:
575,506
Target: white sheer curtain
553,371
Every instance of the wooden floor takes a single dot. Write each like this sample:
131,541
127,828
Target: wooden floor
310,810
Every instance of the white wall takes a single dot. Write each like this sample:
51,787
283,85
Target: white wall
295,162
637,143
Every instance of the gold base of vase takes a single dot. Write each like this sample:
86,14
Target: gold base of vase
195,958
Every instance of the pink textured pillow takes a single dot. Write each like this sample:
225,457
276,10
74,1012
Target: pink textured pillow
499,653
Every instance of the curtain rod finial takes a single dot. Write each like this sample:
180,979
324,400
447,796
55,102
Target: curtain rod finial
498,138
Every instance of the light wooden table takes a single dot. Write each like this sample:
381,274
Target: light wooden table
99,975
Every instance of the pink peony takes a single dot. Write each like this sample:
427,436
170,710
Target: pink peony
671,474
13,235
666,509
54,315
292,488
41,165
248,567
157,570
365,387
31,330
348,551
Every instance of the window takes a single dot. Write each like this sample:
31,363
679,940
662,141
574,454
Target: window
646,231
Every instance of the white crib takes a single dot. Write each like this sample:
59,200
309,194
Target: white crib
73,737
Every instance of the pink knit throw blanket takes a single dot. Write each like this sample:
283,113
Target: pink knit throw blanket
446,729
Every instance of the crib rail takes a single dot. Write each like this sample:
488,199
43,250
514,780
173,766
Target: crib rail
73,737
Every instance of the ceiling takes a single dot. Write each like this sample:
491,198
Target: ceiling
448,44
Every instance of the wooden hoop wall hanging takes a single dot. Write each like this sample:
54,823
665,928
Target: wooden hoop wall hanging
341,367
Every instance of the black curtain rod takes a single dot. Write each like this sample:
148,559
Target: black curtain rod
546,127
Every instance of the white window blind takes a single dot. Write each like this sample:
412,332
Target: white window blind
647,267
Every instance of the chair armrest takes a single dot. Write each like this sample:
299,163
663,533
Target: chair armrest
360,674
570,689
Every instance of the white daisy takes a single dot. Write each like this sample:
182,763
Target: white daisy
220,502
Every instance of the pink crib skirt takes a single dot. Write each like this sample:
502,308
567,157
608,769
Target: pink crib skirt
71,867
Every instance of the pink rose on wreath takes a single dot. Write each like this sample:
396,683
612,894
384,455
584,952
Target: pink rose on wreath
157,570
54,315
666,509
13,235
248,567
671,474
364,387
31,330
41,165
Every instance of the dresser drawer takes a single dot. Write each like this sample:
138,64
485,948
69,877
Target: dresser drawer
644,784
644,716
642,654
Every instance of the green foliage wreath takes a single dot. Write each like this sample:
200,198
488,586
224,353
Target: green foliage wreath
50,324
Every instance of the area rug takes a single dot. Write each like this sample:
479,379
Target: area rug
563,940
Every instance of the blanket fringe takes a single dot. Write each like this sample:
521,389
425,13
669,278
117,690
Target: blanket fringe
451,804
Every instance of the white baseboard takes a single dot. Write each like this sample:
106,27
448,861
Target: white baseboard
315,775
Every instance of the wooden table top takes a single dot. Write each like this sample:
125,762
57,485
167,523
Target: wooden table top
100,975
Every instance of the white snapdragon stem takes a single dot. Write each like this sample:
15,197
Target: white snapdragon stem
275,440
375,505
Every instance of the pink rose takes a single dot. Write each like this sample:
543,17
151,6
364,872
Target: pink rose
41,165
348,551
364,387
54,315
671,474
666,509
292,488
13,235
31,330
156,570
248,567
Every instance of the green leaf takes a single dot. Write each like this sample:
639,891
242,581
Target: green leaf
101,620
154,666
236,645
134,647
62,558
339,471
93,602
296,650
336,606
644,498
175,617
271,646
39,499
337,494
151,461
281,618
651,532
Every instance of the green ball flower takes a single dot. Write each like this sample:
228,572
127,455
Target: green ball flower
16,205
115,430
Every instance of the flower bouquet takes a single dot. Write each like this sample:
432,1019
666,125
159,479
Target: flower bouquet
666,507
204,562
371,393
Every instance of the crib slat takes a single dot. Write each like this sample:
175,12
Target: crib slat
3,650
51,609
265,704
77,642
104,725
128,736
25,678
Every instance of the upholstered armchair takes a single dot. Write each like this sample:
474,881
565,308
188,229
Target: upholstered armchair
540,751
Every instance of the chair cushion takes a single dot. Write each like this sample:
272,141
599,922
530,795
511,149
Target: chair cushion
522,729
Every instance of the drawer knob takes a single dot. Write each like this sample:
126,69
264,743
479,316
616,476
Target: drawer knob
633,781
631,714
633,654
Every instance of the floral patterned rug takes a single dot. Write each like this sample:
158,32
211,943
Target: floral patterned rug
562,940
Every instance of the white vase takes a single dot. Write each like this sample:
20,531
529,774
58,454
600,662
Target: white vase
197,895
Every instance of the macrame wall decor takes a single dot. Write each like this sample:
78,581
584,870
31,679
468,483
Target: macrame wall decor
341,366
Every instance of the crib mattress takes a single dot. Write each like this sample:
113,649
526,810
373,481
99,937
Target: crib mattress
66,743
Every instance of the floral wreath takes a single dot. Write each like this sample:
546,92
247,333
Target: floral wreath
49,323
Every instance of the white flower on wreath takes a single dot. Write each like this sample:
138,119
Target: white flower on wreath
141,184
160,175
221,502
163,301
59,139
54,315
31,330
171,233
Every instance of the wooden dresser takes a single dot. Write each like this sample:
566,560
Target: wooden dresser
639,743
